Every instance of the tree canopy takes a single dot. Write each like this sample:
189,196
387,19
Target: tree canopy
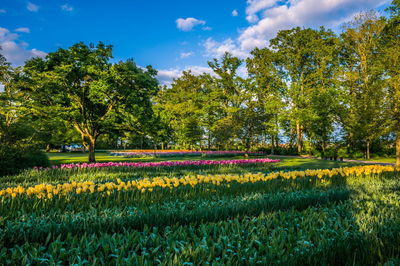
82,87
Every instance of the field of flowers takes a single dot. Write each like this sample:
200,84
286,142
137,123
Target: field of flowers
226,213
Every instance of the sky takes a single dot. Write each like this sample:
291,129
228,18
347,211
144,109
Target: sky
172,36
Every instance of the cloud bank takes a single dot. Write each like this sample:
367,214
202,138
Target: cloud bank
15,50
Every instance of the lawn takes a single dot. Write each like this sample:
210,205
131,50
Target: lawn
381,159
78,157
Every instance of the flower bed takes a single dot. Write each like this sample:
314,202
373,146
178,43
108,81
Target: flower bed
162,164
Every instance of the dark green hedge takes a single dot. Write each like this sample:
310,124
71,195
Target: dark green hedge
14,160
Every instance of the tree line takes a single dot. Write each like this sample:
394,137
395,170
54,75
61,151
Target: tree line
311,89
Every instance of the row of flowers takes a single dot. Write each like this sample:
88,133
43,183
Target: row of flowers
162,164
146,184
175,153
150,151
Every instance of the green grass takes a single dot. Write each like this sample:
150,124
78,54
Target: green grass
380,160
77,157
308,163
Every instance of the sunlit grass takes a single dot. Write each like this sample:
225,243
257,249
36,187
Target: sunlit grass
380,159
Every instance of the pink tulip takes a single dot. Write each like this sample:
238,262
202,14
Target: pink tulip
165,163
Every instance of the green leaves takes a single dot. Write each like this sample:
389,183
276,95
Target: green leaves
83,88
282,222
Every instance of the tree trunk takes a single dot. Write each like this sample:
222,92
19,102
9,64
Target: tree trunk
367,151
299,137
398,150
92,145
272,144
209,140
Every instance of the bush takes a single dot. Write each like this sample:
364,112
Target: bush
14,160
282,149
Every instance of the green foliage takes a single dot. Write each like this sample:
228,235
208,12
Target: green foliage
18,134
80,86
183,107
269,89
308,60
15,159
303,221
365,102
391,54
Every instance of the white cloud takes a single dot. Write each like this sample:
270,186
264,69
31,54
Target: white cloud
166,76
270,16
307,13
32,7
3,11
218,49
255,6
186,55
188,24
23,29
235,13
206,28
14,50
67,7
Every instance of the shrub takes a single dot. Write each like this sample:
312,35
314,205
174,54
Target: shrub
13,160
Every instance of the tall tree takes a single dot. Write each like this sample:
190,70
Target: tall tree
269,89
182,105
304,58
84,88
324,97
8,112
363,79
391,43
229,91
19,138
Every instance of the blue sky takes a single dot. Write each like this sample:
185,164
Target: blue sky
169,35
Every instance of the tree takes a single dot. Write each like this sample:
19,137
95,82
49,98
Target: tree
182,105
324,97
304,58
268,88
250,120
83,88
391,43
363,118
229,91
18,136
8,111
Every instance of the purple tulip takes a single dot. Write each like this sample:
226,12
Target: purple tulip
165,163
